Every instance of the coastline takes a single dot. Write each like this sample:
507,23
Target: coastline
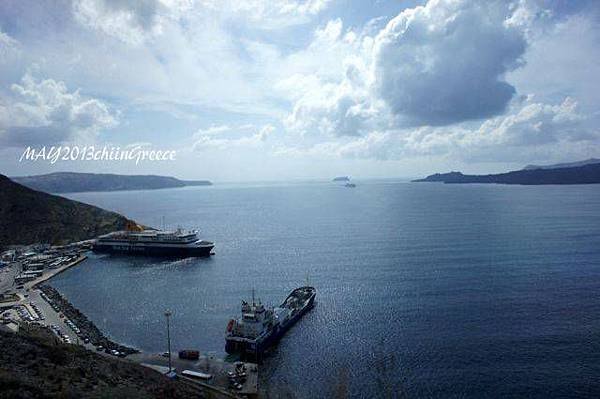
90,337
59,309
88,330
55,272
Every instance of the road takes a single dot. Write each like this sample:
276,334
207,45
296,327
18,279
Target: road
7,277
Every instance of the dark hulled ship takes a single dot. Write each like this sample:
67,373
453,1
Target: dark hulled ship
178,243
260,327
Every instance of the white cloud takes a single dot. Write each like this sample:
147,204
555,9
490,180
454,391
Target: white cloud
222,130
137,20
9,47
528,126
205,140
127,21
441,79
438,64
172,53
213,130
419,85
332,110
557,61
272,14
534,124
335,99
531,125
445,62
46,112
330,51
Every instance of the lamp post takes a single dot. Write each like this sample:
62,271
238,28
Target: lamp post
167,315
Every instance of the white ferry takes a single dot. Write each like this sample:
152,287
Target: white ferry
179,243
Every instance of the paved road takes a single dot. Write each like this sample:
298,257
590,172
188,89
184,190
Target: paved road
52,317
29,294
7,277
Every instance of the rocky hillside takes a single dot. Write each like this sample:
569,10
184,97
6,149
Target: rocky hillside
28,216
586,174
34,364
590,161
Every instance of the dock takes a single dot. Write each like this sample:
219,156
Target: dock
26,299
207,364
48,274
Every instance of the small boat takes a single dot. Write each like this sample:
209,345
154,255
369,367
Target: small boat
350,185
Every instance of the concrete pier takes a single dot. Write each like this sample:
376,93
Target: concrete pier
206,364
36,306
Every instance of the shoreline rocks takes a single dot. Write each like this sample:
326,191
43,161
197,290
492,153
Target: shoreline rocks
87,328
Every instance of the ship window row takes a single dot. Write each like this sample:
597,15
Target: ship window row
164,238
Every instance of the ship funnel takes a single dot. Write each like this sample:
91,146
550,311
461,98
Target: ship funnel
133,226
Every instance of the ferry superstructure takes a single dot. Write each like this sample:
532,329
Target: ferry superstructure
178,243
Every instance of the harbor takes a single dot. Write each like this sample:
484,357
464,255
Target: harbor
299,199
229,379
394,309
29,299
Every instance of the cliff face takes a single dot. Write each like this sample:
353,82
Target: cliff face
587,174
28,216
68,182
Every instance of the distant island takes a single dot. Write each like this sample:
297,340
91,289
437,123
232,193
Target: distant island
341,178
564,165
71,182
28,216
587,173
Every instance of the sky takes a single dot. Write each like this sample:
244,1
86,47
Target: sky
300,89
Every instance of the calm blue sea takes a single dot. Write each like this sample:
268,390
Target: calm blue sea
424,290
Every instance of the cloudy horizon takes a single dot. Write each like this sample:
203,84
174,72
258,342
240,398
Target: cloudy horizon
294,89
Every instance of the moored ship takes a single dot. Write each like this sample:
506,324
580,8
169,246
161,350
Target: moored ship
178,243
260,327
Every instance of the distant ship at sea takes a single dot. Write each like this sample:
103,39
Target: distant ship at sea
341,178
178,243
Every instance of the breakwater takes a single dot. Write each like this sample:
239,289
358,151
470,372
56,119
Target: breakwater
87,328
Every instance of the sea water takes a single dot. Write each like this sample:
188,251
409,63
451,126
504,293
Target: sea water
423,290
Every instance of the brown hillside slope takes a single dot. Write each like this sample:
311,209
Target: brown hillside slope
28,216
33,364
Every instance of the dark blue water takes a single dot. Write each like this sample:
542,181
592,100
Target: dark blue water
424,290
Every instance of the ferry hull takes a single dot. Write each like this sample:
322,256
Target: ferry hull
155,251
254,349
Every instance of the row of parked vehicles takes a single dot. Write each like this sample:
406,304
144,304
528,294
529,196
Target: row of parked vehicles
31,314
67,321
66,339
76,330
238,376
113,352
38,313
